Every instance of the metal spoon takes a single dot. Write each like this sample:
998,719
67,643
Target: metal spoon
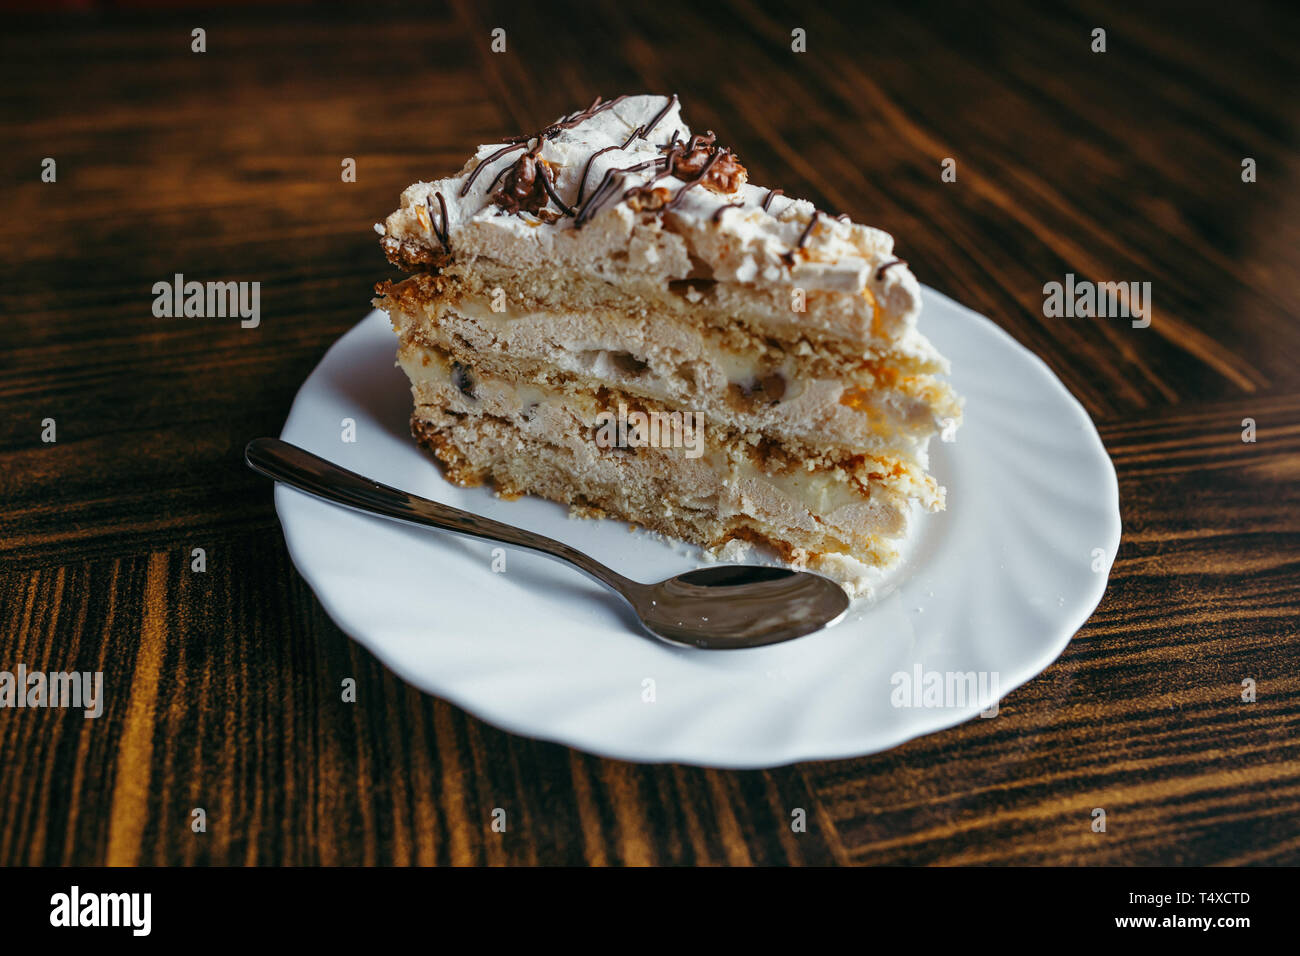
723,607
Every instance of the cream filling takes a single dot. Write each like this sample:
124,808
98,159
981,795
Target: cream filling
738,367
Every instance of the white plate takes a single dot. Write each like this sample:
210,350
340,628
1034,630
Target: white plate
996,585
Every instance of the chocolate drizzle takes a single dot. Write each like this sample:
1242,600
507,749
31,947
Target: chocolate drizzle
479,168
606,187
645,189
721,210
788,257
544,174
771,194
497,178
586,170
522,142
441,233
807,230
668,107
880,273
707,138
576,119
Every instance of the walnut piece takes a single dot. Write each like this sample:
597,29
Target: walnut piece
521,187
649,200
726,175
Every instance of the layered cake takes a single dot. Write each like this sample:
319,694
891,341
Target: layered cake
607,313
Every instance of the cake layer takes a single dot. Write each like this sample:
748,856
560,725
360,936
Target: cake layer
769,394
848,324
824,480
663,492
746,319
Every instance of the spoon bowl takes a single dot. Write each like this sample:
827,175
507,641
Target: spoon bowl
733,605
724,607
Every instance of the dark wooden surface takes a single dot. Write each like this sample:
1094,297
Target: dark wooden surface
222,686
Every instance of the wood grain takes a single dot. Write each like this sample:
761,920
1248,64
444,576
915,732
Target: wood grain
223,687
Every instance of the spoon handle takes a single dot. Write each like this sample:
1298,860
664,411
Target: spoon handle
310,473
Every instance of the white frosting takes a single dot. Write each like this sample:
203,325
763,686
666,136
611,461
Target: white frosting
747,245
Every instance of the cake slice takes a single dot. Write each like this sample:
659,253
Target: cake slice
608,314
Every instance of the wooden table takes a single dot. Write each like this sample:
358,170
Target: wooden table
222,686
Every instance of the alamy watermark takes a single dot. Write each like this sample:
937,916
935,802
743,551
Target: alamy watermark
946,689
128,910
37,689
210,300
1106,300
